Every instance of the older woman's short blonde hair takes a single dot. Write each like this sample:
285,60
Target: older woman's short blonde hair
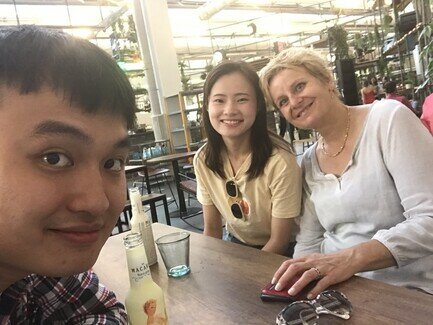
297,57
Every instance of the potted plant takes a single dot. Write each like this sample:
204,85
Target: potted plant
183,77
338,38
344,64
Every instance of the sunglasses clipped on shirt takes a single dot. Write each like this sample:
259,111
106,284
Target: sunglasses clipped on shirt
232,190
307,312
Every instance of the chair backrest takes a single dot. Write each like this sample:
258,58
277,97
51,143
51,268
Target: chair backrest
189,186
123,223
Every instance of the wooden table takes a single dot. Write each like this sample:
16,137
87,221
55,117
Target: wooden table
226,278
174,159
131,169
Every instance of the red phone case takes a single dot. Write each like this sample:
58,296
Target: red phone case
269,293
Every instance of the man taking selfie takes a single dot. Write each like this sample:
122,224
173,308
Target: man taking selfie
65,108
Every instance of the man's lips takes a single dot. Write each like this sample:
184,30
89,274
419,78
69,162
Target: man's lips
82,234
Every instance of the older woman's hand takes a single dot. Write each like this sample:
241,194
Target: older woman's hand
333,268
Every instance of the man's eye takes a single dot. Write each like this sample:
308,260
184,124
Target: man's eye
57,159
243,100
114,164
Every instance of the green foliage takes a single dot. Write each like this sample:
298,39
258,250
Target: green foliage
125,51
132,33
427,53
382,66
338,38
377,37
386,23
184,79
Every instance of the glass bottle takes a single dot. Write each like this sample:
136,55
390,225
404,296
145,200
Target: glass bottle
141,223
144,301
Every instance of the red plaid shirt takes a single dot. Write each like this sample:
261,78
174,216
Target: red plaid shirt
78,299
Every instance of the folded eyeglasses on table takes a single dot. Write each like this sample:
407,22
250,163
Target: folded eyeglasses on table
307,312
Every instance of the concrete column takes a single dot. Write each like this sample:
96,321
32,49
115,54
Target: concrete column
159,57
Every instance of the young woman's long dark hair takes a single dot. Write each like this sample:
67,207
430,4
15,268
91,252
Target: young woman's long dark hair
261,144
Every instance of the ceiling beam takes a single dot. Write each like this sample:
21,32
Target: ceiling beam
102,3
318,9
255,36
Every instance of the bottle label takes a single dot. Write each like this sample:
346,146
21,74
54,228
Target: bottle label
142,223
137,273
149,312
145,299
148,242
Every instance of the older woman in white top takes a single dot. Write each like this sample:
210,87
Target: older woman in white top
368,184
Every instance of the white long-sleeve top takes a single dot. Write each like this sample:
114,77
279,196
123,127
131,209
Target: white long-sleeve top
385,193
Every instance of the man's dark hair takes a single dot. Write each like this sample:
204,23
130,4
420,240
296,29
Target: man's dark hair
261,144
390,87
32,57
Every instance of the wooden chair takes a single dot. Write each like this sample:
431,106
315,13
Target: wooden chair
155,174
189,186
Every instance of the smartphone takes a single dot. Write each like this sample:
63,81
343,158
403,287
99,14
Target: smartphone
269,293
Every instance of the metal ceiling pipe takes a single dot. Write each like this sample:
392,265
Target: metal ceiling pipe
210,8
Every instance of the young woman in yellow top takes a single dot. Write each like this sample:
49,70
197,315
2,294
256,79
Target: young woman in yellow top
246,176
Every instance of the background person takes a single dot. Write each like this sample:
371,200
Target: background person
245,175
368,194
368,93
391,93
65,108
375,84
427,113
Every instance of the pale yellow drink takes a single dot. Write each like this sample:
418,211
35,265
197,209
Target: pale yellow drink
144,302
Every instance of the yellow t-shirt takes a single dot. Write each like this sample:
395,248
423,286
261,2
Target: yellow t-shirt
276,193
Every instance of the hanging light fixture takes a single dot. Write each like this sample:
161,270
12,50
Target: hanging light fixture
219,56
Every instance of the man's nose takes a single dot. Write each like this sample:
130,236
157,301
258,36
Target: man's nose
89,192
